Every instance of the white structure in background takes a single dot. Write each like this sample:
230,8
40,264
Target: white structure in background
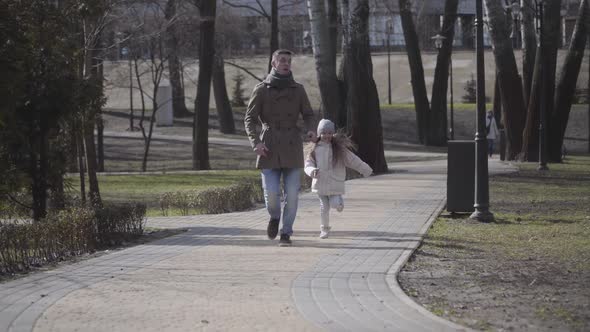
164,115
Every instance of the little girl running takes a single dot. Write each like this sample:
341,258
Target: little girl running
326,164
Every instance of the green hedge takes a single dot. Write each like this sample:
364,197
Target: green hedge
66,233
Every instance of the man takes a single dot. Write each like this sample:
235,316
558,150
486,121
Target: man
276,104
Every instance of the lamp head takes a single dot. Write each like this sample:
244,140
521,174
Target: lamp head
438,40
515,9
563,12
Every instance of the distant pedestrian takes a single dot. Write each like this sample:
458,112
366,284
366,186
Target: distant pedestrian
326,164
491,131
276,104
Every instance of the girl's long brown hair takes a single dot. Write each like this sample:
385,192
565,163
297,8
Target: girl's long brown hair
341,143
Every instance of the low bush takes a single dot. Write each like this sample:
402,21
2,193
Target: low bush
236,197
73,231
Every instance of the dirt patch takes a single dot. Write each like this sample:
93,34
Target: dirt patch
526,272
484,290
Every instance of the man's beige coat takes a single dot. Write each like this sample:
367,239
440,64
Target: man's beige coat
277,111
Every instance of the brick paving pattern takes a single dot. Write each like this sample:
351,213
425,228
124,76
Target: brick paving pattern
222,274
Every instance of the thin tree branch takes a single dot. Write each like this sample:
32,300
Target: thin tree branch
244,69
293,3
260,11
12,198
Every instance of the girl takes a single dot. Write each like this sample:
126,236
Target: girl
326,164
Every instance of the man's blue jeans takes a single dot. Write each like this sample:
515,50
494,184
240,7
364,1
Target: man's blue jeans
271,182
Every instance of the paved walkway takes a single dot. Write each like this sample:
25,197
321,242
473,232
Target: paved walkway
222,274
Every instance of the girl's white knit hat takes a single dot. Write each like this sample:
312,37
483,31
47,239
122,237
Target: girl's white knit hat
326,125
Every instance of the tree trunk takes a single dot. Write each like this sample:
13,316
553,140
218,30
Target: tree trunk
38,172
57,199
80,152
437,131
566,87
334,24
131,116
421,102
91,167
148,138
178,100
222,104
551,41
100,143
325,60
510,86
333,28
100,121
92,75
364,115
274,29
529,48
206,54
344,15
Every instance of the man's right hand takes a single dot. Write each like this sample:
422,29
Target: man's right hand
261,149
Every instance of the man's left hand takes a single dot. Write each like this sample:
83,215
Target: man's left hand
311,136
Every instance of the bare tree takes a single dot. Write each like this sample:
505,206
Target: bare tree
530,83
150,52
342,71
421,103
222,103
333,25
437,129
93,26
174,65
566,87
530,134
514,115
431,117
362,100
325,60
156,66
99,113
272,16
206,57
529,48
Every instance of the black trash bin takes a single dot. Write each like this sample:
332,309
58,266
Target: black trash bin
461,176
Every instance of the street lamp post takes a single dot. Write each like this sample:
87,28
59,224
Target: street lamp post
438,43
482,195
